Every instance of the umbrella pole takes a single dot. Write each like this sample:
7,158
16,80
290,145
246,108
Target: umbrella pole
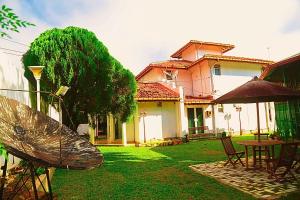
258,123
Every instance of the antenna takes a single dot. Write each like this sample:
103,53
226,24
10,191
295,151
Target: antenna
268,52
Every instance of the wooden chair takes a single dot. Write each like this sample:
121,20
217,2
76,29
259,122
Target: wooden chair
284,162
232,155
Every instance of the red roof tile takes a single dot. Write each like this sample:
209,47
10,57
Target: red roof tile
155,91
177,64
279,64
171,64
198,100
226,47
232,58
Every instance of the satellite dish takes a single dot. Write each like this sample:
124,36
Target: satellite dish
33,136
175,74
42,141
172,74
167,72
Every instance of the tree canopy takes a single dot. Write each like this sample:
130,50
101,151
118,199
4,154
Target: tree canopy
124,90
74,57
9,21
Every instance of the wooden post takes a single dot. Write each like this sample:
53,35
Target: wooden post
258,123
32,172
49,183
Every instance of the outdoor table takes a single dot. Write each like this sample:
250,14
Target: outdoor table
259,144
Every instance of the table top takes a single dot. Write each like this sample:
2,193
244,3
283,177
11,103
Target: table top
261,134
260,143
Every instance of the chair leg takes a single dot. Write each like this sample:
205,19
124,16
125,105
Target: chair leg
239,159
254,156
288,171
267,156
230,158
226,162
232,162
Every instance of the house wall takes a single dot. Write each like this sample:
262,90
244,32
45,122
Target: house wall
248,117
202,52
183,79
194,52
201,81
189,53
154,75
159,121
234,74
11,77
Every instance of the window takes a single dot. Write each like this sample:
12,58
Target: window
220,108
217,70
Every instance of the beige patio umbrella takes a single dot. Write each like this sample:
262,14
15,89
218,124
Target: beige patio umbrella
256,91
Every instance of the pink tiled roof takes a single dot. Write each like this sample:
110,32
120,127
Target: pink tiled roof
181,64
226,47
155,91
233,58
198,100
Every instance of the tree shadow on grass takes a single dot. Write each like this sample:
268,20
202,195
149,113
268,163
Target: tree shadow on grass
139,173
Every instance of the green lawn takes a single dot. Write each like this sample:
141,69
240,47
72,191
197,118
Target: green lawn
149,173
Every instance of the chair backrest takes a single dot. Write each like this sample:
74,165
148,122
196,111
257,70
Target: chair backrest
287,155
228,146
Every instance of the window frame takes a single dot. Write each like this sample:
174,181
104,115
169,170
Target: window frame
217,67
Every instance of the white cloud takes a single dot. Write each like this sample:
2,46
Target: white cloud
139,32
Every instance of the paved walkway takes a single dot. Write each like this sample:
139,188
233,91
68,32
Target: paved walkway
253,182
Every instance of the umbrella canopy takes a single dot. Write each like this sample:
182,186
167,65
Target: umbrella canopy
257,90
35,137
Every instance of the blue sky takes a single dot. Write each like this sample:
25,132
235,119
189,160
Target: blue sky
138,32
53,12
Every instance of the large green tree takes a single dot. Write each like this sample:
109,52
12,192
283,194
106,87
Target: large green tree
124,90
74,57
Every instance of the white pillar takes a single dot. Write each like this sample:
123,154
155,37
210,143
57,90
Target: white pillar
213,118
183,120
38,95
124,135
110,128
136,127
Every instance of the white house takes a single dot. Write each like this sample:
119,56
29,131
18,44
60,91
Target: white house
174,96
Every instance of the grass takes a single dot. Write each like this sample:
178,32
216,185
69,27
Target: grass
149,173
